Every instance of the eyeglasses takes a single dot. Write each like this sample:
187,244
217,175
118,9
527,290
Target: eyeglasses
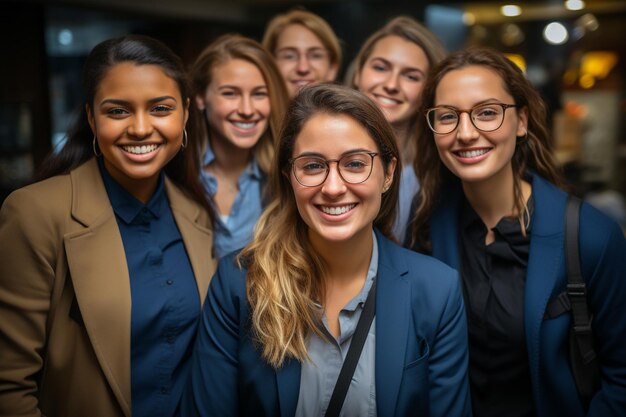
485,117
291,55
353,168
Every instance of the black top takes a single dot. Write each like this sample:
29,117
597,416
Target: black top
494,278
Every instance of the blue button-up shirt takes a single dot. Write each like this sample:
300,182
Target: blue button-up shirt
319,376
165,301
234,231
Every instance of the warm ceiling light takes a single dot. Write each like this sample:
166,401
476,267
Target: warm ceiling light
574,4
469,19
555,33
511,10
517,60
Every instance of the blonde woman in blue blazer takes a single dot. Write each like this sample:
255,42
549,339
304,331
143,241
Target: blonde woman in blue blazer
490,207
280,316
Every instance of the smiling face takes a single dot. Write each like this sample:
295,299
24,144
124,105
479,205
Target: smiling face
237,104
138,117
472,155
337,211
302,58
393,76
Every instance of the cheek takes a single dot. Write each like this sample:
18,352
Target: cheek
413,93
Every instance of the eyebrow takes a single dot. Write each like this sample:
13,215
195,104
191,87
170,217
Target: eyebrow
349,152
387,62
123,102
478,103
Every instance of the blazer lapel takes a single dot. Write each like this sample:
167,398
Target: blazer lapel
99,274
392,313
544,266
288,383
198,239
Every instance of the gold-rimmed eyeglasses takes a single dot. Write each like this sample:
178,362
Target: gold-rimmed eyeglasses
485,117
353,168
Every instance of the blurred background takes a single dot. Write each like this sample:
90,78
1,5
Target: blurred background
574,53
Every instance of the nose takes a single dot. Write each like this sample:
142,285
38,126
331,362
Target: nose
391,83
334,185
140,126
465,131
303,66
246,107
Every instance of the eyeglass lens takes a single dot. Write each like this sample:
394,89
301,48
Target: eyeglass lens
487,117
353,168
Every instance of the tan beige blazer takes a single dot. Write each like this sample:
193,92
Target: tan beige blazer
65,296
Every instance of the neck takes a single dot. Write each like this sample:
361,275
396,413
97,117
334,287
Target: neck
347,262
230,161
492,199
402,132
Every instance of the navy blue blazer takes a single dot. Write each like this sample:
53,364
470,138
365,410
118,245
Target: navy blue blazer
421,346
603,263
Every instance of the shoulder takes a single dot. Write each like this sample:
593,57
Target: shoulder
229,282
43,197
600,236
424,273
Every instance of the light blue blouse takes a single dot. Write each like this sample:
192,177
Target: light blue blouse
319,375
409,186
234,231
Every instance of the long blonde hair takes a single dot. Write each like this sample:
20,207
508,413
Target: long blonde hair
233,46
284,272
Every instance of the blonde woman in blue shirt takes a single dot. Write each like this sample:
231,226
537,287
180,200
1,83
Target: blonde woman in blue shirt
242,97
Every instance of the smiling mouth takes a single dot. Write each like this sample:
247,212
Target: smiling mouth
473,153
244,125
301,83
335,211
387,101
140,149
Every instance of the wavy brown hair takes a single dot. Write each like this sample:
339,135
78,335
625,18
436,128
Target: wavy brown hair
233,46
410,30
532,152
285,274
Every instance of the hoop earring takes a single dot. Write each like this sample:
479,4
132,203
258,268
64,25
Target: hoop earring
185,140
94,145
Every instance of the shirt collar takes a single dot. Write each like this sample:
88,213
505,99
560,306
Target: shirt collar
253,169
369,279
124,204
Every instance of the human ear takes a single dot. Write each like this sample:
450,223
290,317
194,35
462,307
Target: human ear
200,102
522,123
391,168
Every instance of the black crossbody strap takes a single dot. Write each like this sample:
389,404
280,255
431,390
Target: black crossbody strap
353,355
576,289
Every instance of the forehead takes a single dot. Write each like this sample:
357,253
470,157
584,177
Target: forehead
332,135
237,71
296,36
400,51
128,79
469,85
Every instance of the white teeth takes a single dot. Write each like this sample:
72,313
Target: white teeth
242,125
140,150
337,210
473,154
388,101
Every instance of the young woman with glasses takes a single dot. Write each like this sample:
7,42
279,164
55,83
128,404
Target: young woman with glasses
490,206
305,48
283,314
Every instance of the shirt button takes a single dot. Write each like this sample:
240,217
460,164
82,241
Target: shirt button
170,338
169,282
163,390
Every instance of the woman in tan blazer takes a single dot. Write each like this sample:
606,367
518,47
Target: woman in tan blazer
71,268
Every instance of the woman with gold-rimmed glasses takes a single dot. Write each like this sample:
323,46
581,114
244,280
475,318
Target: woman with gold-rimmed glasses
490,206
284,314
